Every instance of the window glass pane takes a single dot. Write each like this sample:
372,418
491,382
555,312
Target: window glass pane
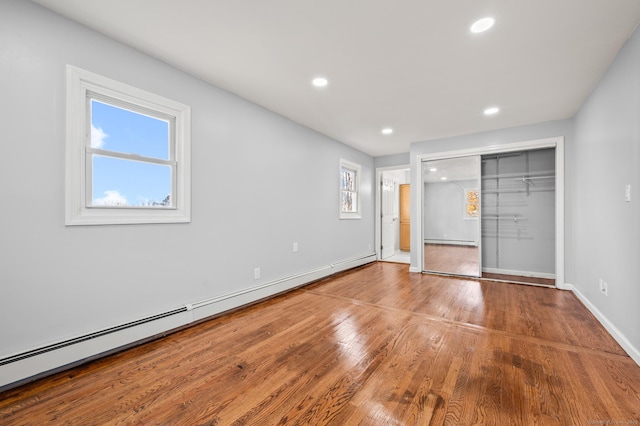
121,130
349,202
348,180
118,182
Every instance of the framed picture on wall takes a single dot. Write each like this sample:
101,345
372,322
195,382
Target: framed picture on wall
472,203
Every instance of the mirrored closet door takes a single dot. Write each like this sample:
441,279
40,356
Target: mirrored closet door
451,214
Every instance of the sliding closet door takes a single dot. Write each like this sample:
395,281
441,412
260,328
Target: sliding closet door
518,216
451,214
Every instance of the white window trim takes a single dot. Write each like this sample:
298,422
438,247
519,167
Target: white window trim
79,83
358,169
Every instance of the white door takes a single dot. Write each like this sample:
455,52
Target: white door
389,189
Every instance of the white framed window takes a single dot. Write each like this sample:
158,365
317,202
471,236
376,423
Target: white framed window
128,154
349,190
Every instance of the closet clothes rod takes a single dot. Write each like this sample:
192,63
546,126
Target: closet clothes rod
505,236
514,191
505,217
504,155
538,173
524,179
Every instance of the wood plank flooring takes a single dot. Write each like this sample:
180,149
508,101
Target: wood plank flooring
464,260
373,346
452,259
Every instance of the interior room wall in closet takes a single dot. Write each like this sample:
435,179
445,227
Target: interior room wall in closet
518,214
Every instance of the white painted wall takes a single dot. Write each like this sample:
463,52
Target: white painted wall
392,160
444,221
259,183
606,229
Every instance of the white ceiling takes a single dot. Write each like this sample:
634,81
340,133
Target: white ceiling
412,65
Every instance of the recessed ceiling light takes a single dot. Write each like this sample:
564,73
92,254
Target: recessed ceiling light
320,81
482,25
433,169
443,178
491,111
387,131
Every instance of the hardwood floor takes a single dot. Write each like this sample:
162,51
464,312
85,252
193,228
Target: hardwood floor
464,260
452,259
373,346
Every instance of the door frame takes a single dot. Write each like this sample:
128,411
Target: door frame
378,203
554,142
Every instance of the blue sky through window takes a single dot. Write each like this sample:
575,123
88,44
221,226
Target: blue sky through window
125,182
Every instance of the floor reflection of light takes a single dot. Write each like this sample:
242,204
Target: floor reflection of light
383,415
348,337
353,350
473,297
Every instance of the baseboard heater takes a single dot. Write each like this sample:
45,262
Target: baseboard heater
76,340
182,316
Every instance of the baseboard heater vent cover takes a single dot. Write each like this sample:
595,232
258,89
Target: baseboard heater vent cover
75,340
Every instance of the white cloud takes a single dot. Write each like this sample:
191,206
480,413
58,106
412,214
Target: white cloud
111,198
98,137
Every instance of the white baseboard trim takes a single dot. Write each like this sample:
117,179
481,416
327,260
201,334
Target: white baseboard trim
29,365
622,340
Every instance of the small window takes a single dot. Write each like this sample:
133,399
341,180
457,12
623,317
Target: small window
127,154
349,190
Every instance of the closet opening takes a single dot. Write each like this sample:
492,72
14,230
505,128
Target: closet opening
518,216
494,214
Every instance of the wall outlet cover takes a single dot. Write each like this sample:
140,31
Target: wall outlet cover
627,193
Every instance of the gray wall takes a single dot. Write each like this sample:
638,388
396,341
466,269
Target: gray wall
392,160
526,246
444,211
259,183
605,229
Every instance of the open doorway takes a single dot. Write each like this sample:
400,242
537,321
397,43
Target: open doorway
393,221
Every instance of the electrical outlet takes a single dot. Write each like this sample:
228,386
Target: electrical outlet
256,273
